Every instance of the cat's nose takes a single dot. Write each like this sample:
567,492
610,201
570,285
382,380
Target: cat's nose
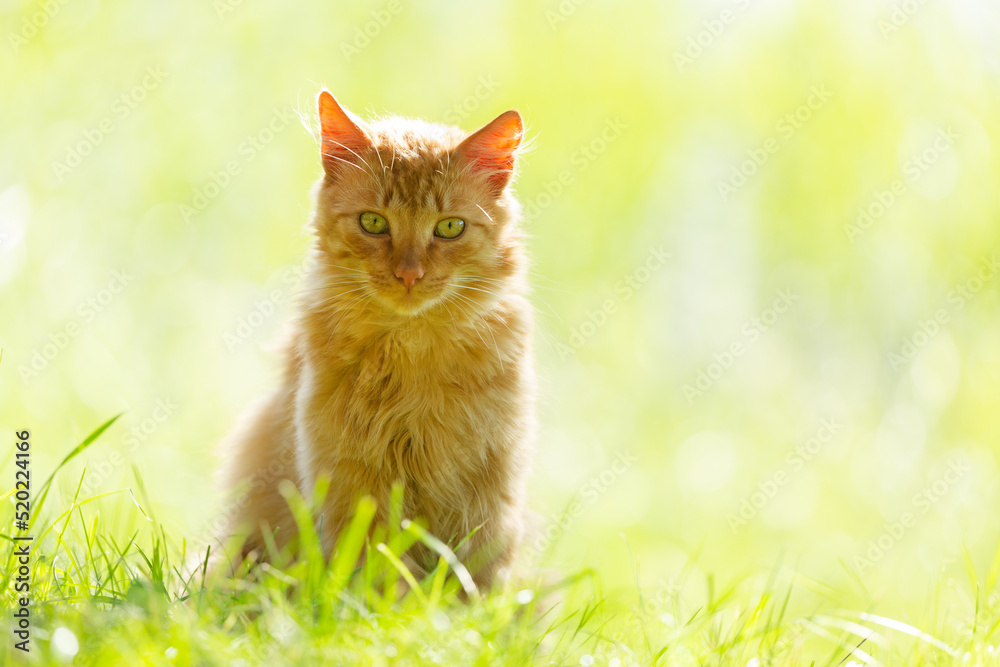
409,275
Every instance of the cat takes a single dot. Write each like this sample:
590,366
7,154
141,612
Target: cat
409,357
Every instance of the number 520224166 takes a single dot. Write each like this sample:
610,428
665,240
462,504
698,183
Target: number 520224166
22,480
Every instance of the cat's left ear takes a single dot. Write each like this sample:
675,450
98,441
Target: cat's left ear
492,148
343,138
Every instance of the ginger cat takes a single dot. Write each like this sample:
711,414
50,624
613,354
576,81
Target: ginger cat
410,353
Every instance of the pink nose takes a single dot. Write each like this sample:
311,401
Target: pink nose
409,275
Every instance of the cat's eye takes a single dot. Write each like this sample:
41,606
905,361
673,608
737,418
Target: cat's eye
450,228
373,223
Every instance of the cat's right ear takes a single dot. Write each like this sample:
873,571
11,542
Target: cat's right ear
343,139
491,149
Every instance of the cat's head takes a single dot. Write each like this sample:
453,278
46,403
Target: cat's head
415,216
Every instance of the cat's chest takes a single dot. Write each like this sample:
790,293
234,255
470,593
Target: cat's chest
394,396
393,371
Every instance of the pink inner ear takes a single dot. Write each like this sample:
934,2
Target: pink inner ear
342,138
492,148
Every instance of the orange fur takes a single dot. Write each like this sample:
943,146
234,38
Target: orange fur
430,384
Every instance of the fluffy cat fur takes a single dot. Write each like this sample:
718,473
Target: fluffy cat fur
409,358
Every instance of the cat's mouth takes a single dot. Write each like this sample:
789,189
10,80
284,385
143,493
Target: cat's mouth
412,301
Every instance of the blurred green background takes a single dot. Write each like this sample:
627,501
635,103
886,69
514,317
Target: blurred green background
763,233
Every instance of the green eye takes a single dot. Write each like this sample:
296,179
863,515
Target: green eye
450,228
373,223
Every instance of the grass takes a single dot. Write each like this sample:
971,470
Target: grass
102,595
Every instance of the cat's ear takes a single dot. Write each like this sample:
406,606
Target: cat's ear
343,139
490,150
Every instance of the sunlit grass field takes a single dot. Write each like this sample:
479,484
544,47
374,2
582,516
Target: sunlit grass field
764,240
98,601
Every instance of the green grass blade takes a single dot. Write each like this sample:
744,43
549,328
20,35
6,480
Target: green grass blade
87,442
